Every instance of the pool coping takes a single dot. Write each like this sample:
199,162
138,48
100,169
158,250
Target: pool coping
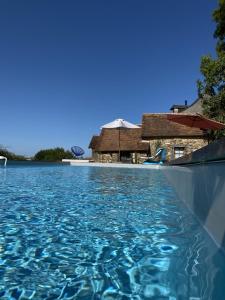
118,165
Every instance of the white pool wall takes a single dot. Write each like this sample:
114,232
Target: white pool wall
202,188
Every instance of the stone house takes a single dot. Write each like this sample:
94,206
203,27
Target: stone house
178,139
114,145
93,146
154,132
193,108
196,106
136,144
178,108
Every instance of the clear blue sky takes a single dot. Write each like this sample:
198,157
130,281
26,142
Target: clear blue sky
67,67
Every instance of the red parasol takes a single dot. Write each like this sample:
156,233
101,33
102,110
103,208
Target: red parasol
195,120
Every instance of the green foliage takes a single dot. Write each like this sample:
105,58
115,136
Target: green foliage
56,154
219,18
212,87
10,155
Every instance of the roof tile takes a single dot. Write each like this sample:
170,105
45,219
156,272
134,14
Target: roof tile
157,125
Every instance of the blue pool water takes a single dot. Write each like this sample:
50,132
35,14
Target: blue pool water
101,233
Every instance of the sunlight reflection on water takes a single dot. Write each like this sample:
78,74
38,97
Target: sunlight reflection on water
100,233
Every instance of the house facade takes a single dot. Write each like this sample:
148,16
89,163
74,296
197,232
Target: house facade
135,145
178,139
114,145
93,146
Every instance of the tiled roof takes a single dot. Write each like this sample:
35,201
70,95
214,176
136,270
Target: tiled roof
195,107
94,142
157,125
179,106
121,139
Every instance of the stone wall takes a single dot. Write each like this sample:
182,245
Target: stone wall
215,151
106,157
141,157
94,156
114,157
189,144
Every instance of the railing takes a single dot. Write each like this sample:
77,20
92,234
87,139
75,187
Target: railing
5,158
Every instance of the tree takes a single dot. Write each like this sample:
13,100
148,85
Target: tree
219,17
212,87
10,155
56,154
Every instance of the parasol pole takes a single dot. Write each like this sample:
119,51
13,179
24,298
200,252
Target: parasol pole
119,143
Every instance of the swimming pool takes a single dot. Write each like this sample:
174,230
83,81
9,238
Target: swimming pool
101,233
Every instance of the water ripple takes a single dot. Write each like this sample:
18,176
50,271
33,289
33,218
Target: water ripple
92,233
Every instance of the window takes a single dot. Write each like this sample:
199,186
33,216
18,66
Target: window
178,152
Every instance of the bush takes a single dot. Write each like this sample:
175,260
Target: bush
10,155
55,154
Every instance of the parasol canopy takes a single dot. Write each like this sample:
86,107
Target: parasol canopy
119,123
195,120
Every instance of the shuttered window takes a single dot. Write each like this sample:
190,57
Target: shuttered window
178,152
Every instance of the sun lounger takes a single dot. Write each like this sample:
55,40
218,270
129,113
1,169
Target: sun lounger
160,155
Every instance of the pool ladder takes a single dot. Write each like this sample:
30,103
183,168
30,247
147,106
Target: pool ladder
5,158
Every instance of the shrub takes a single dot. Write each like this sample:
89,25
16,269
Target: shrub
10,155
55,154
